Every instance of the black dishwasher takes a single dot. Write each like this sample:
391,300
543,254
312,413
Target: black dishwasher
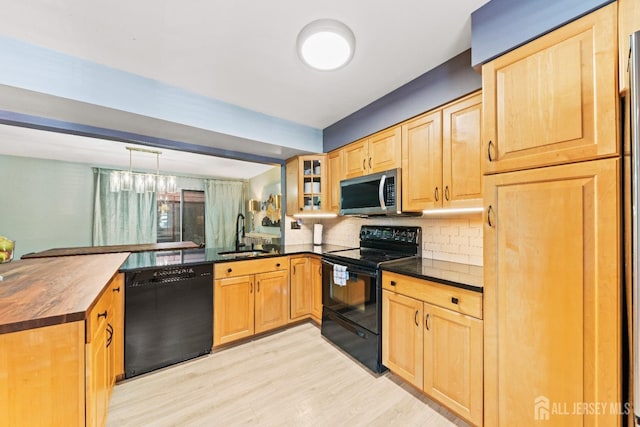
168,316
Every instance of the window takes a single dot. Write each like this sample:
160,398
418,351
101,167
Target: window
181,216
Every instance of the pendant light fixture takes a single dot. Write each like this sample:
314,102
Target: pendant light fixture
142,182
326,44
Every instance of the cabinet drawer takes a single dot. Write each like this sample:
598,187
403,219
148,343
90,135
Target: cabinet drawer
253,266
449,297
97,316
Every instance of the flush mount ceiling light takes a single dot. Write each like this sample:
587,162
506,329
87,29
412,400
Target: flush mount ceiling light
326,44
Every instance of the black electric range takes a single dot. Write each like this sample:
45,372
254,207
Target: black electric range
352,289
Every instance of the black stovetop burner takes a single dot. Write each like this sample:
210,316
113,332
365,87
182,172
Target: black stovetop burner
380,244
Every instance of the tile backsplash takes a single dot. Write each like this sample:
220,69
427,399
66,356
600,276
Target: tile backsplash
456,239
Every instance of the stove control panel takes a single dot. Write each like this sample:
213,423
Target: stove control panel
400,234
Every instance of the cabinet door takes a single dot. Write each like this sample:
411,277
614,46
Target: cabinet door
384,150
461,153
453,361
315,273
555,99
42,376
233,311
293,192
300,288
402,337
552,291
98,384
335,170
422,162
117,345
272,300
628,23
355,159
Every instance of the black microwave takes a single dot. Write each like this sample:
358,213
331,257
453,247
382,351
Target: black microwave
374,194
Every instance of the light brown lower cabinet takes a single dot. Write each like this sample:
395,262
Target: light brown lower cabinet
306,288
315,274
247,304
438,350
42,376
104,357
63,375
300,288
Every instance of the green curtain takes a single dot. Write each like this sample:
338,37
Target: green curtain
223,201
124,217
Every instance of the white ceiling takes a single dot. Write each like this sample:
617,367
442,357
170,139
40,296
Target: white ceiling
243,52
99,152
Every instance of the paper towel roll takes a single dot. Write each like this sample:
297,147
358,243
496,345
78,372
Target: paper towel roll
317,234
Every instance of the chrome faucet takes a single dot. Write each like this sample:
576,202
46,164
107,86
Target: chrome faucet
240,216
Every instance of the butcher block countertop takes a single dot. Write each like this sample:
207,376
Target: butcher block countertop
90,250
49,291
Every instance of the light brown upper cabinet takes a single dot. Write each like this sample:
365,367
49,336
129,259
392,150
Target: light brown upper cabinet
307,184
376,153
628,23
554,100
335,170
441,157
422,162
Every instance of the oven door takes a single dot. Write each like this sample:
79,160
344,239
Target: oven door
357,300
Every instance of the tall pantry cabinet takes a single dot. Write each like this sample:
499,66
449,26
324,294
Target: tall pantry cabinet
551,237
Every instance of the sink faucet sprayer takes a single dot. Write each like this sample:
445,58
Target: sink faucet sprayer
240,216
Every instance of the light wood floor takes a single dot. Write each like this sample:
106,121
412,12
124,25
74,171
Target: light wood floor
291,378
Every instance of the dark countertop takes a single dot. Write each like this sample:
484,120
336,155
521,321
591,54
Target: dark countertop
49,291
90,250
449,273
153,259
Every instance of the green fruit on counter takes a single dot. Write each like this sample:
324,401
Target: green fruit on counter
6,244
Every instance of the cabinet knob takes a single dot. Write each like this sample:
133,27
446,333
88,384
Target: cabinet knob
102,314
364,164
369,162
392,283
454,300
278,265
426,321
229,270
116,289
436,194
415,318
446,193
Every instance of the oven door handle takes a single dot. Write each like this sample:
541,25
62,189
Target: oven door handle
346,326
383,206
351,269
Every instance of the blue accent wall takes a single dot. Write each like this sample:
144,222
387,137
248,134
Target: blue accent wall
502,25
37,69
448,81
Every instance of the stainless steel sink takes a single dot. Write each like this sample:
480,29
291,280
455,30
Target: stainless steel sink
242,254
